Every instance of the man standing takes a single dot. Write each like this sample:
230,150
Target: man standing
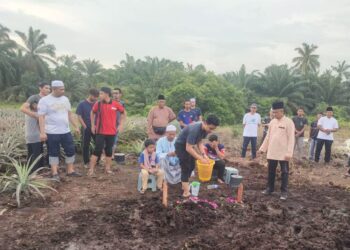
313,137
197,111
279,145
54,116
265,124
158,119
327,125
251,122
117,95
169,162
32,130
105,130
300,123
186,116
190,137
83,112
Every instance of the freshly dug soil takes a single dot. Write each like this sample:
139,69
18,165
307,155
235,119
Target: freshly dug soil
107,212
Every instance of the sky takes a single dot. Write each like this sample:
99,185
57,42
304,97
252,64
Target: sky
220,34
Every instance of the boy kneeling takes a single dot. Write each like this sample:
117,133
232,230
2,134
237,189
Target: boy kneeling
149,163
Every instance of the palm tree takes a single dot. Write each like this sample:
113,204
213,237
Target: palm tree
70,62
7,52
306,62
37,52
241,78
91,68
342,70
280,82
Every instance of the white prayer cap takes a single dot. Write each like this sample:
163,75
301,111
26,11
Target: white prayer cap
170,128
193,99
57,83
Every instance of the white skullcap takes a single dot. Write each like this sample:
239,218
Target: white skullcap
193,99
170,128
57,83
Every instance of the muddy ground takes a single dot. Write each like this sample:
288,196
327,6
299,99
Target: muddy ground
107,212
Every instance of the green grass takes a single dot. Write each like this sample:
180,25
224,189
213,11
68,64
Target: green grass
10,105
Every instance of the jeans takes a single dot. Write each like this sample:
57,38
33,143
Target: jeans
87,135
299,147
312,149
328,149
187,162
272,175
34,150
54,141
246,141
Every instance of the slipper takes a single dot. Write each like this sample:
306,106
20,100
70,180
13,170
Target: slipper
56,177
74,174
109,172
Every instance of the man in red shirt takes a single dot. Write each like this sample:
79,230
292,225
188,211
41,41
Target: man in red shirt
105,129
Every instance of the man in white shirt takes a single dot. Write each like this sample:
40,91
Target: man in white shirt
55,114
251,122
327,125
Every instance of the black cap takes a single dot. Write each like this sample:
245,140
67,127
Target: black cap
106,90
161,97
329,109
277,105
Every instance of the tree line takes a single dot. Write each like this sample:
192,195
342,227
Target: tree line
23,64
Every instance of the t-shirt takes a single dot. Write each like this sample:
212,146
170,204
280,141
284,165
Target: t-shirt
84,110
314,130
299,123
119,113
266,121
187,117
142,159
32,129
192,134
56,111
197,113
211,152
327,123
106,121
251,122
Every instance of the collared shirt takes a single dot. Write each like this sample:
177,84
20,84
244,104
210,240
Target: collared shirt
327,123
280,138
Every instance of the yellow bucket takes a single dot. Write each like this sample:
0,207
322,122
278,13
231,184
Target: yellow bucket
205,170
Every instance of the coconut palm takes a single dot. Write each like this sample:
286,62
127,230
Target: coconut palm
37,52
342,70
69,61
306,62
7,52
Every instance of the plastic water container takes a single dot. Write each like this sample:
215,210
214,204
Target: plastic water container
195,185
205,170
235,181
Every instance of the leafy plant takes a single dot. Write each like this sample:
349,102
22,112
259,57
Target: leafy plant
137,147
24,181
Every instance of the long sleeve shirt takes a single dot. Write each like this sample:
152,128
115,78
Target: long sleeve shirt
280,138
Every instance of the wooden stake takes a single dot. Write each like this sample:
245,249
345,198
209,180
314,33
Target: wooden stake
165,194
240,193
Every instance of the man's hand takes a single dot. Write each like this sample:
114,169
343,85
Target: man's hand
204,160
287,158
77,131
171,154
43,136
120,128
93,129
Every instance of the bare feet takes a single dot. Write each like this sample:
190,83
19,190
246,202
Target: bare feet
91,172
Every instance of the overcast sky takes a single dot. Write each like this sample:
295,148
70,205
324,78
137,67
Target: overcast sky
220,34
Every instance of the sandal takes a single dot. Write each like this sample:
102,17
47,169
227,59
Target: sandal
74,174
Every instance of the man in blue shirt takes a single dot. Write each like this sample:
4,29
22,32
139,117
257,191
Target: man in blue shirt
186,116
83,111
197,111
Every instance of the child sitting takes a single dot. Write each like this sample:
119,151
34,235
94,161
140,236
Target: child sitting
216,152
149,164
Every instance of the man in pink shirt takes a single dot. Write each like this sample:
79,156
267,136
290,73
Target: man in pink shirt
279,145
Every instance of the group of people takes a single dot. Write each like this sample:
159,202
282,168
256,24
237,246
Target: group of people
168,157
321,133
